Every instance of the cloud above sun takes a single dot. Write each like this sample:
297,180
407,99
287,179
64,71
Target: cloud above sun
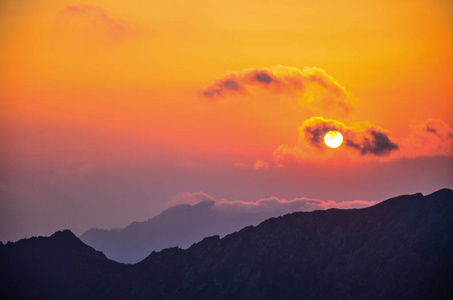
324,96
316,90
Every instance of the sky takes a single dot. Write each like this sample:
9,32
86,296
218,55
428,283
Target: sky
112,111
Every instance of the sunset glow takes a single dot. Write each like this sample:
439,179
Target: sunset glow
110,109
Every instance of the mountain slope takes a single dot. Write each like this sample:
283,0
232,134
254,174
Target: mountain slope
58,267
398,249
181,226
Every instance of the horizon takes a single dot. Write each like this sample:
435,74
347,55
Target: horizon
279,212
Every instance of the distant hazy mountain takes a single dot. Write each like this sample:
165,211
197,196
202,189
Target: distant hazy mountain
180,226
401,248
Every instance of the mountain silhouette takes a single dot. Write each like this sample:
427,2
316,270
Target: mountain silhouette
180,226
398,249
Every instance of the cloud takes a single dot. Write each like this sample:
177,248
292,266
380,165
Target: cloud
324,96
272,204
190,198
239,165
363,139
378,144
93,22
286,206
318,91
430,138
259,164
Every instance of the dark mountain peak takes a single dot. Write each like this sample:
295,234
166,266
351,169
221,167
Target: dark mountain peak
61,243
395,203
441,193
402,198
65,235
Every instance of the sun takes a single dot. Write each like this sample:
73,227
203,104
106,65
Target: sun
333,139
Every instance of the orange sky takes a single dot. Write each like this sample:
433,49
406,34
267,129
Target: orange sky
120,83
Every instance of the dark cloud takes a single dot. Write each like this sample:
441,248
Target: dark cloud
351,144
230,84
379,144
222,87
264,77
432,130
315,134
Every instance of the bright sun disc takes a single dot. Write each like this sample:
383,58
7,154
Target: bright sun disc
333,139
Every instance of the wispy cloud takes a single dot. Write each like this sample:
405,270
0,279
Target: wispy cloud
271,204
259,164
317,90
430,138
94,22
240,165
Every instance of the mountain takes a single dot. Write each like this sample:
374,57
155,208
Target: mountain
180,225
55,267
398,249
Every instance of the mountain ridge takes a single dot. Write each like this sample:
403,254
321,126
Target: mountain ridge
178,226
397,249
